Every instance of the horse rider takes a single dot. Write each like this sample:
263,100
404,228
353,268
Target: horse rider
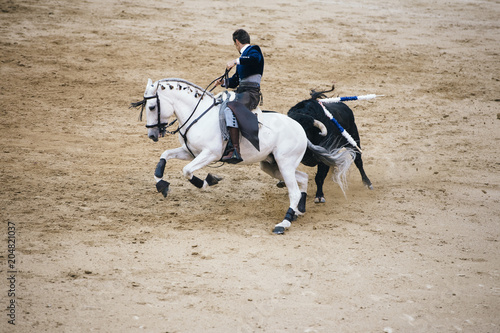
249,70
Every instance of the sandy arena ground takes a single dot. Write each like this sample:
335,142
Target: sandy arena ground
98,249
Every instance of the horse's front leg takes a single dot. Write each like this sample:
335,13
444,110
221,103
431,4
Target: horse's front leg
180,153
203,159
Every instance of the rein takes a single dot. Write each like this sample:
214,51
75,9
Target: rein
225,75
184,136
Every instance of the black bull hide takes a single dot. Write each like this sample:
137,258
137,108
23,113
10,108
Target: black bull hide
305,113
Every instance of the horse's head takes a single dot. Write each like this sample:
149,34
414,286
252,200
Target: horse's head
156,114
176,96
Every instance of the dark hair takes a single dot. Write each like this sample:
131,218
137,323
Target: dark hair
242,36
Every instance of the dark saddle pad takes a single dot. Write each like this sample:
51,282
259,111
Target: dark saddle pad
247,121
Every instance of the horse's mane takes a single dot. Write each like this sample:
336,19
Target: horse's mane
201,90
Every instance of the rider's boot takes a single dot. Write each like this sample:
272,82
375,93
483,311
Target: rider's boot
233,156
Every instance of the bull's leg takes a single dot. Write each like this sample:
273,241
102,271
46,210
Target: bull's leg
359,164
320,180
358,161
162,186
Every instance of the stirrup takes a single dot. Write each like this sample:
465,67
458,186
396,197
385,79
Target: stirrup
232,158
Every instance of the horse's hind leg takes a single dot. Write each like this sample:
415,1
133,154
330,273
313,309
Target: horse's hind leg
359,164
301,178
289,174
297,199
271,169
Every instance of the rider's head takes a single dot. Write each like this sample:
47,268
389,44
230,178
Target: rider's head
242,36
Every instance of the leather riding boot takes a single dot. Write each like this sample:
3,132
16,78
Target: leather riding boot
233,155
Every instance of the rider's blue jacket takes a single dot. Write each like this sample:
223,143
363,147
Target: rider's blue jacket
251,63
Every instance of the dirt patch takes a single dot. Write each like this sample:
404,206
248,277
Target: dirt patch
97,249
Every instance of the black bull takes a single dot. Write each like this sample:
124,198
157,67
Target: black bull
309,110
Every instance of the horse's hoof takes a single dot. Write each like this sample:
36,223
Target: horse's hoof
212,179
319,200
302,203
162,187
279,230
281,184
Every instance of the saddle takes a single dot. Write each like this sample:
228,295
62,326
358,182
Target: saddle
248,120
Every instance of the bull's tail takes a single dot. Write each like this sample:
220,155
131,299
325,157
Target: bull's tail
339,158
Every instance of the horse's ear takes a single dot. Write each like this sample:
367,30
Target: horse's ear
150,82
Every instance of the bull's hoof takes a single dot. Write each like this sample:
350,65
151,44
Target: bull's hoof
279,230
319,200
368,183
162,187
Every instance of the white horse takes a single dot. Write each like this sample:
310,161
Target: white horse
283,141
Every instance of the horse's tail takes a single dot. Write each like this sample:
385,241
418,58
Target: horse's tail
338,158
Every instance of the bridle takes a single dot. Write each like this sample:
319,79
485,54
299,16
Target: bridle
162,127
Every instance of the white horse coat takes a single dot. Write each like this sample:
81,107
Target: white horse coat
283,141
